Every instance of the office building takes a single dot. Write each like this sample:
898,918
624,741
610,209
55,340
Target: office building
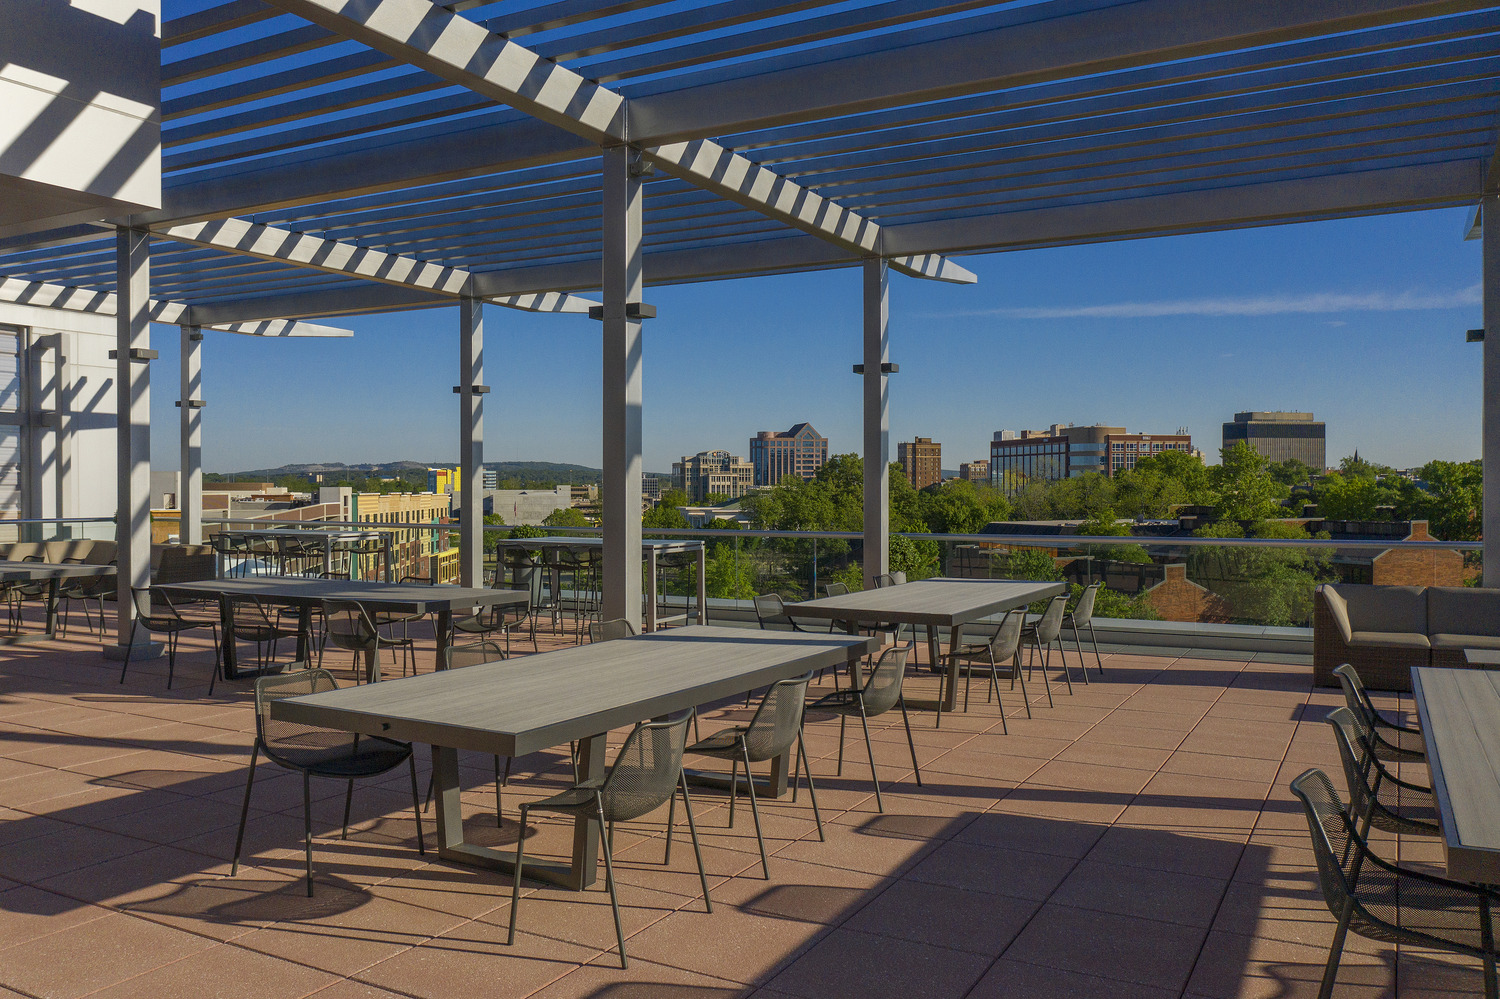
1281,436
922,461
1063,452
799,451
975,471
489,478
713,472
651,486
443,480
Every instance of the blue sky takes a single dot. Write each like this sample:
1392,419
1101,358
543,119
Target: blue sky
1361,321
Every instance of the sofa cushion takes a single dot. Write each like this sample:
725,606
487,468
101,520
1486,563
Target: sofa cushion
1463,610
1464,641
1390,639
1386,609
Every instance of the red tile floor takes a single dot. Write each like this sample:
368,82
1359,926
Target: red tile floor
1136,840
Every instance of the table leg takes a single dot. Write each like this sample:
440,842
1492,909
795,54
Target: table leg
52,607
950,700
650,590
586,833
442,636
226,630
450,827
373,672
703,584
304,633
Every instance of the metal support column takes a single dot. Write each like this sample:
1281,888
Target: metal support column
471,441
133,420
877,421
620,488
190,492
1490,275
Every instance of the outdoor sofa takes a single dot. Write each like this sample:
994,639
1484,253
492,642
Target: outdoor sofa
1383,631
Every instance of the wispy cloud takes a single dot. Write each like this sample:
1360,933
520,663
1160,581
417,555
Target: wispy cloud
1266,305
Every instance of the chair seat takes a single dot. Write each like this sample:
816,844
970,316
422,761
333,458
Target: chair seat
326,753
578,799
724,743
1440,641
839,700
1436,910
1389,639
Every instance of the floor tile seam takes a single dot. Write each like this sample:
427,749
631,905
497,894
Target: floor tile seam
211,941
1249,836
1070,971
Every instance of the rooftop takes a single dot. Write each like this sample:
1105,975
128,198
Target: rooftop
1136,840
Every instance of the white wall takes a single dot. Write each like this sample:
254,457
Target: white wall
526,506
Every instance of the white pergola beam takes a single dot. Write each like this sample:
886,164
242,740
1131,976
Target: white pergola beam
102,303
456,49
332,256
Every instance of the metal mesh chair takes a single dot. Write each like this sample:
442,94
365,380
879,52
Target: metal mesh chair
262,622
1380,798
351,628
155,612
608,631
318,752
1384,902
1004,644
1390,741
1082,616
770,611
1044,634
775,726
477,654
834,590
646,774
880,693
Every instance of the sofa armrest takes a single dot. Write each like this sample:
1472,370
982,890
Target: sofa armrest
1338,610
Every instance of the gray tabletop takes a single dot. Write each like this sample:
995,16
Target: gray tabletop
520,706
1460,717
942,601
11,572
416,598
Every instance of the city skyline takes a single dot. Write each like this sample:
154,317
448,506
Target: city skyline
1361,321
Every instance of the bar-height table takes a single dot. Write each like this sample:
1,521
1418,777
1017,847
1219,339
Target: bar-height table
516,707
305,593
53,573
650,549
331,537
1460,717
941,602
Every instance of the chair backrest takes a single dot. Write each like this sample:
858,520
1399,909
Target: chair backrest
179,566
645,771
897,577
475,654
778,719
155,609
835,589
409,578
608,631
769,607
290,742
350,625
883,580
1361,771
1356,697
1083,611
1336,846
882,687
1008,636
1050,626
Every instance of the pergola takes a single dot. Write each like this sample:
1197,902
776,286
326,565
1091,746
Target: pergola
337,157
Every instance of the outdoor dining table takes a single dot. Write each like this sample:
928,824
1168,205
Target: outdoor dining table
650,549
53,573
520,706
306,593
1459,710
941,602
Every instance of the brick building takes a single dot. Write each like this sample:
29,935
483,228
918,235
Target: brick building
975,471
1064,452
922,461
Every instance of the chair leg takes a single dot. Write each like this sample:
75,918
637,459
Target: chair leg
129,647
499,814
839,771
1094,641
870,748
213,677
687,807
1015,673
1033,654
734,786
942,690
910,742
348,803
671,821
765,865
812,793
1335,950
609,879
1047,662
515,888
307,826
171,656
416,809
1078,648
239,837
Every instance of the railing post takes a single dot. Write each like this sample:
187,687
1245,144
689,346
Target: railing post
877,421
1490,275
